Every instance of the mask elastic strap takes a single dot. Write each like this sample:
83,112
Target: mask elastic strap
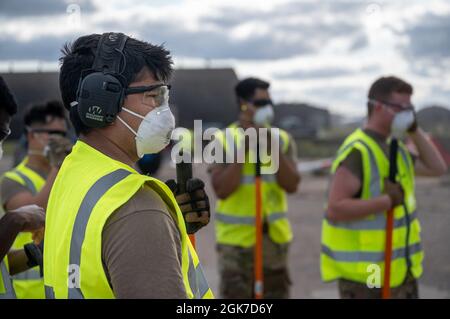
128,126
133,113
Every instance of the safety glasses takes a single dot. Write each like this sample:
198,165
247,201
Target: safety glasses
48,131
262,102
396,107
157,92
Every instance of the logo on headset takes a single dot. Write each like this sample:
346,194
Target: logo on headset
94,113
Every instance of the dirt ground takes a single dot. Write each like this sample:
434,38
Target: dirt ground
305,214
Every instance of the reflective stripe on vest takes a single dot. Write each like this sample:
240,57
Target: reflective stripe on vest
79,228
28,183
9,290
250,179
247,220
33,183
235,215
348,248
30,274
367,256
197,280
379,221
49,293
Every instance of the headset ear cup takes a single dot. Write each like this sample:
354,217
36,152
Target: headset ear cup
99,99
101,90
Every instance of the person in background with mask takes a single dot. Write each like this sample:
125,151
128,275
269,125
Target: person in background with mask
30,182
234,185
360,194
110,231
24,219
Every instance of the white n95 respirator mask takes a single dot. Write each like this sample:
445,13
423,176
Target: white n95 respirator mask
263,115
155,131
401,123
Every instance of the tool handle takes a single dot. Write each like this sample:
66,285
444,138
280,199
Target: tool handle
393,159
258,160
184,173
258,253
386,291
258,250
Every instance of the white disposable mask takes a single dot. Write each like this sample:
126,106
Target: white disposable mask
401,123
155,130
263,115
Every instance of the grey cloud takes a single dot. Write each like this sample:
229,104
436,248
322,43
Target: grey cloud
315,74
428,48
330,72
42,48
359,42
285,38
283,41
430,37
216,44
21,8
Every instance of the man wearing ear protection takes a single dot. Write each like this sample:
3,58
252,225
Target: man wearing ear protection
112,232
234,184
353,230
30,182
24,219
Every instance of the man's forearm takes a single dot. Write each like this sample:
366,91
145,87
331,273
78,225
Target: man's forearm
10,226
18,261
354,209
428,153
40,199
288,176
227,179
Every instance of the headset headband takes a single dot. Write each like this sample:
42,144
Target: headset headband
109,55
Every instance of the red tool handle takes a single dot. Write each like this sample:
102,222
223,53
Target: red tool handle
258,256
192,238
386,292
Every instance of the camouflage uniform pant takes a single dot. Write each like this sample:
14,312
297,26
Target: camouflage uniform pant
236,271
354,290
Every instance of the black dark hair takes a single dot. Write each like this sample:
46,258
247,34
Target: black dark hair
246,88
44,113
382,89
7,102
80,56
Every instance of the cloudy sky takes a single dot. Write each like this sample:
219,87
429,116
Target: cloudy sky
322,52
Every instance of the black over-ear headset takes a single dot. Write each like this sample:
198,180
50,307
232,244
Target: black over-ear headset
101,89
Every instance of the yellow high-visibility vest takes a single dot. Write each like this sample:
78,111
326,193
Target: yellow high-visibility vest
6,287
89,187
27,284
235,215
350,250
